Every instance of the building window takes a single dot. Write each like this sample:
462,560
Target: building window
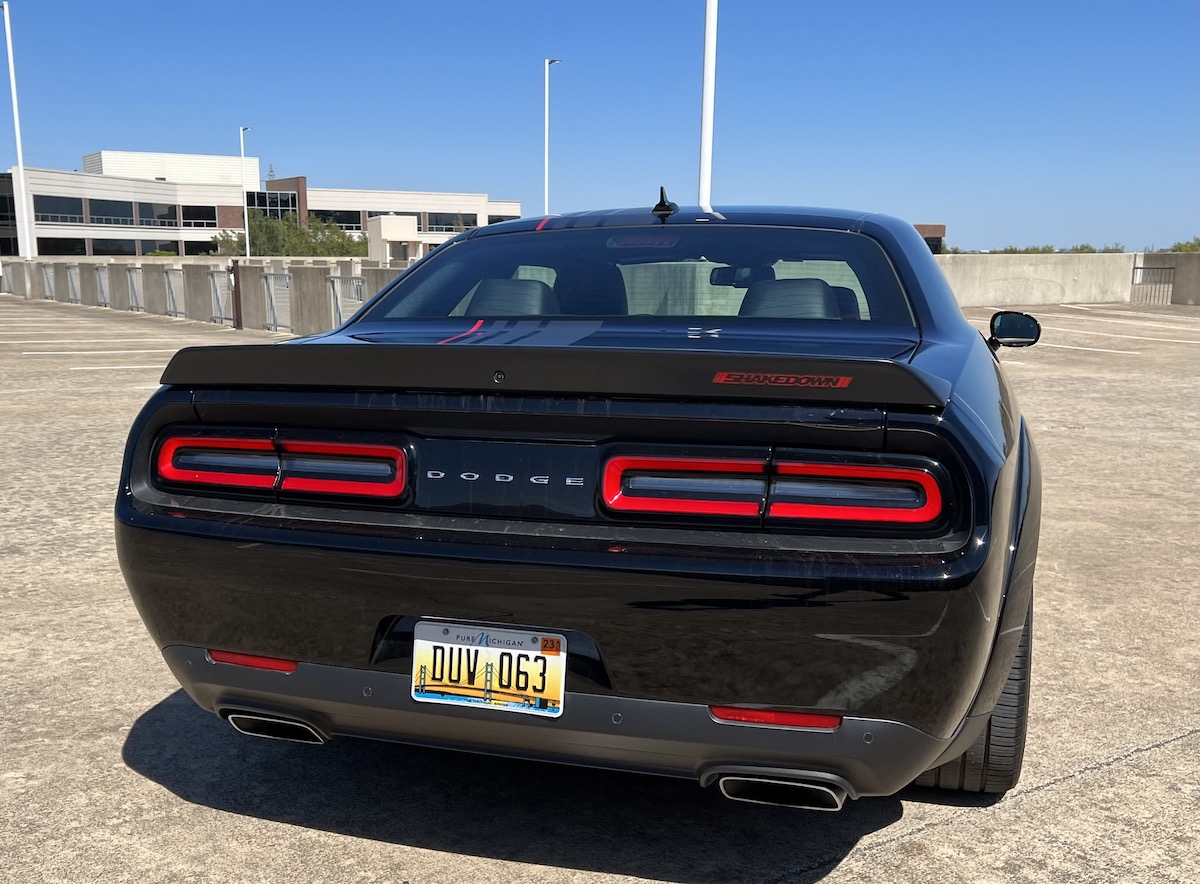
110,212
58,210
199,216
199,248
8,213
159,245
56,246
158,215
451,222
496,219
114,247
273,203
345,219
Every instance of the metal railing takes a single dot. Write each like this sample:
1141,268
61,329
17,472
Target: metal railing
173,276
102,296
222,296
1152,285
117,220
52,218
73,284
137,300
347,294
278,287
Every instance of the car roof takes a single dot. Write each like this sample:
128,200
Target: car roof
776,216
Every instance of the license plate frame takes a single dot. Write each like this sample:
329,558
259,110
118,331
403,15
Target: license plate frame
485,667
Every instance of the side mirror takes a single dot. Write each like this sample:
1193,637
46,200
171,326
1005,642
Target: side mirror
1012,329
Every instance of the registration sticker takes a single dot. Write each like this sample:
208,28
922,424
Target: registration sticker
507,669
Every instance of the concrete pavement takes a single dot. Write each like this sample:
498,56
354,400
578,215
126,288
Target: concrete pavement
109,773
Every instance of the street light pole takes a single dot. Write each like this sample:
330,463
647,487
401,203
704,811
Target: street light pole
706,104
546,191
242,130
19,197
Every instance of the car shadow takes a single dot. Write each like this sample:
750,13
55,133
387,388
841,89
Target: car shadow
575,818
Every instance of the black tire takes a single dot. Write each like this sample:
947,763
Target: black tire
993,763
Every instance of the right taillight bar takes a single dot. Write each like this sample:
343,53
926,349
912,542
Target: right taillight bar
792,490
854,493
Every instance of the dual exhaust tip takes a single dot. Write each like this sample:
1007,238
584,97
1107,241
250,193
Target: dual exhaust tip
799,793
274,728
803,793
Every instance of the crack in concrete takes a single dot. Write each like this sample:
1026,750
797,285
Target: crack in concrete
832,862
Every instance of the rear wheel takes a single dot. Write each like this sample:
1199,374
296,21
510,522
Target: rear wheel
993,763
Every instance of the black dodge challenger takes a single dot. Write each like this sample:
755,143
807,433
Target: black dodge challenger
735,495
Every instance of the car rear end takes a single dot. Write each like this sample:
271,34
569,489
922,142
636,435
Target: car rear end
756,549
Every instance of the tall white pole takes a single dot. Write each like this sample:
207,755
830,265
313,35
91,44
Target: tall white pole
22,208
706,104
546,164
242,130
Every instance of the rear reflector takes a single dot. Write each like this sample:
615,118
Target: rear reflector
684,485
272,663
776,718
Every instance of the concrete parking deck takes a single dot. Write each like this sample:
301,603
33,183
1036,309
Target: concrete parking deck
109,772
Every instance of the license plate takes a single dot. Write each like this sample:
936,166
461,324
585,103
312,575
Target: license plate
505,669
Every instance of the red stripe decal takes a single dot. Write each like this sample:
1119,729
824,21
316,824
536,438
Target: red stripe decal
543,223
468,332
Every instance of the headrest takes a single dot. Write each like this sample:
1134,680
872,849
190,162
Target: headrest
592,291
847,302
512,297
790,299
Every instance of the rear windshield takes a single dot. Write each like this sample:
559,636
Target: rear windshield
675,271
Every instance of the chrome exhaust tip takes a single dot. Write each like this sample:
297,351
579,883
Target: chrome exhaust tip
803,794
274,728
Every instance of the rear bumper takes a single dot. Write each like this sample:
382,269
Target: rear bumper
870,756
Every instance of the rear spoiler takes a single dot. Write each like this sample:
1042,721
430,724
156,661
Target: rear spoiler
571,371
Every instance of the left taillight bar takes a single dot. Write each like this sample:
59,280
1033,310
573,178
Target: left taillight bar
220,461
288,465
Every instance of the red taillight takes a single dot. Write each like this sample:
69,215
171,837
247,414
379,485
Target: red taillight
776,718
833,492
235,463
684,485
255,662
854,493
343,468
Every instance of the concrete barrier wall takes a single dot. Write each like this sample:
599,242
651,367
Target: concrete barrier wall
375,278
197,293
312,300
1010,280
994,280
254,295
89,289
154,289
118,286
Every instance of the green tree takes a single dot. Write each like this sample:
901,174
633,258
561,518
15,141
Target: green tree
1084,248
1192,245
1027,250
281,237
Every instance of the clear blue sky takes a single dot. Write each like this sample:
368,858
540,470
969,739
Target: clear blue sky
1012,123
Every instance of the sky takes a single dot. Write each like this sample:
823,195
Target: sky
1015,123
